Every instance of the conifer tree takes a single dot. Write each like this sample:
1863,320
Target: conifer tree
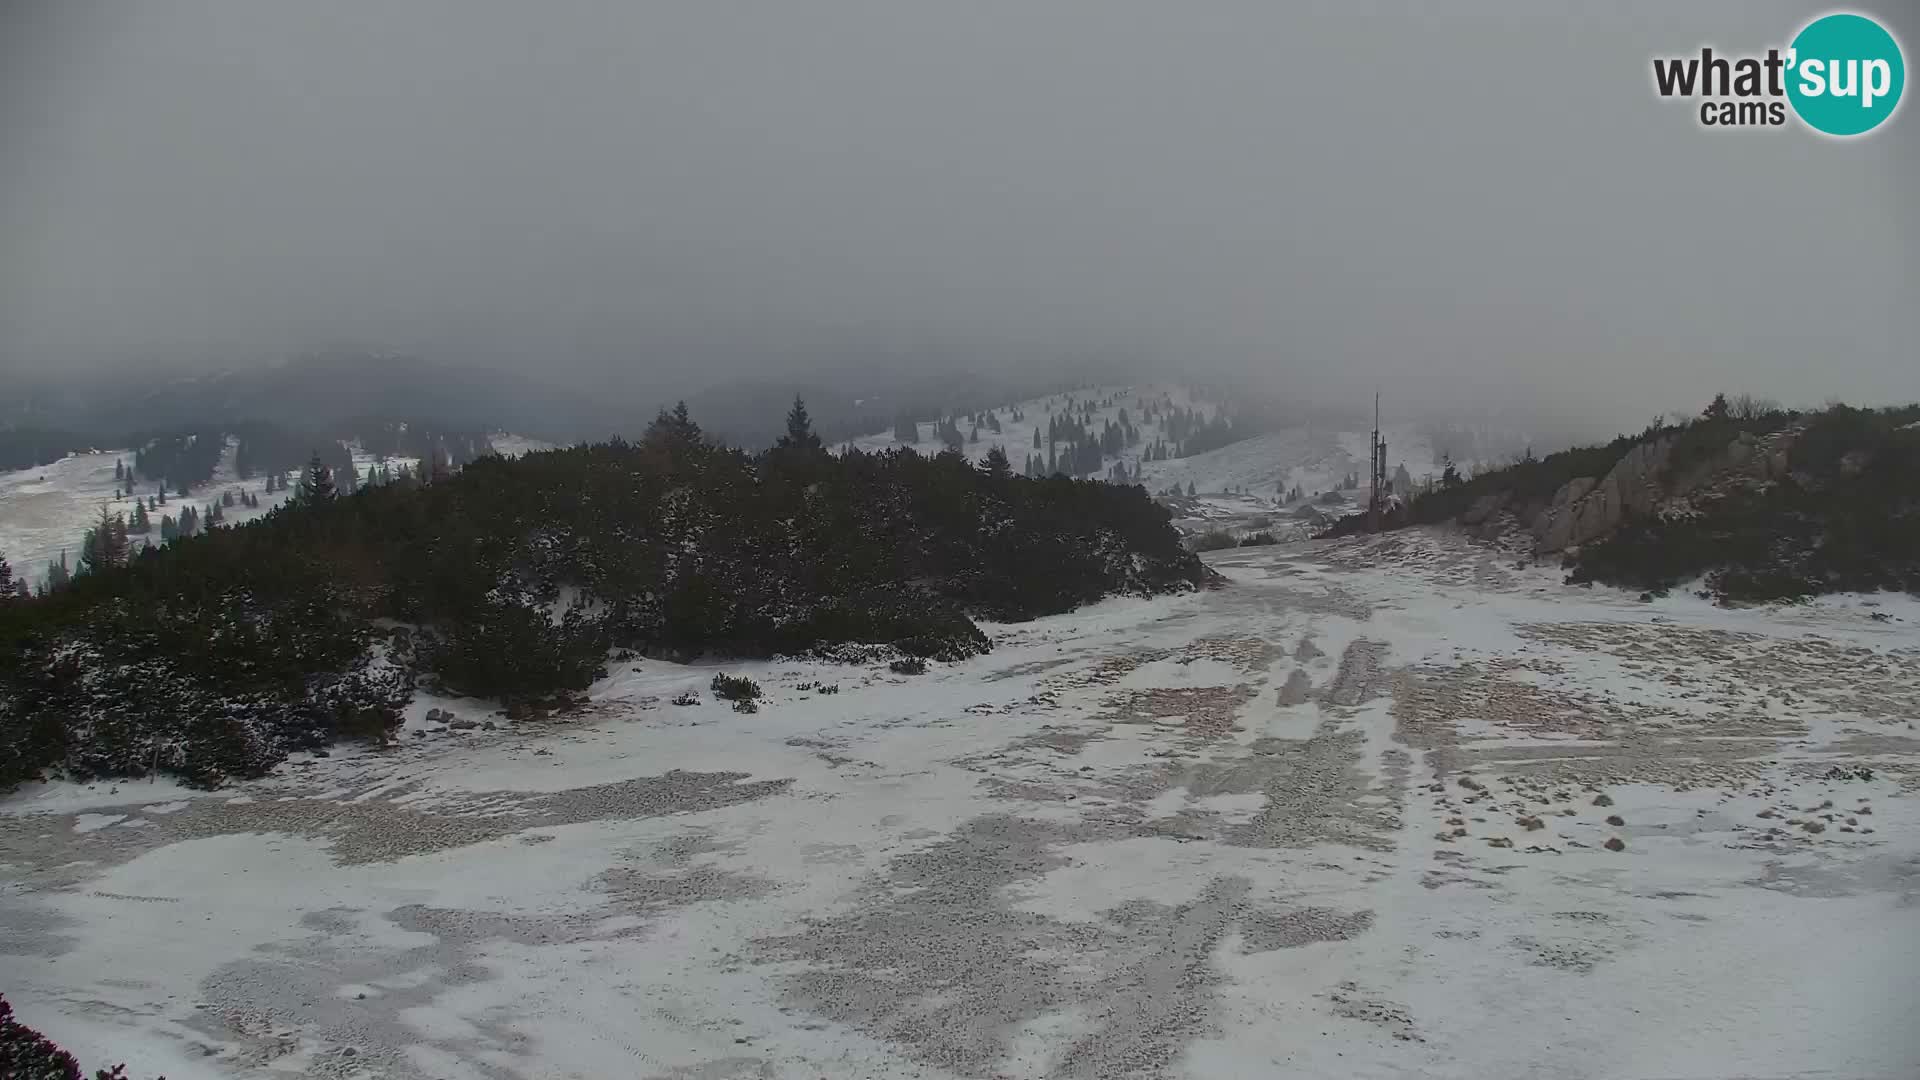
58,576
997,464
104,546
800,436
316,484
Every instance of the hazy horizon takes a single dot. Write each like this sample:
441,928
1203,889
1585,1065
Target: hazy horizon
1483,209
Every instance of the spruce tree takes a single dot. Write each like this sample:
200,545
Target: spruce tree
58,576
997,465
672,431
316,484
800,436
104,546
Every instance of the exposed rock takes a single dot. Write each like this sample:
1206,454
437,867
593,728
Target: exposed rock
1643,482
1603,799
1614,843
1585,508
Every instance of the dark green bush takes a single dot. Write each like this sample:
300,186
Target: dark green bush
734,687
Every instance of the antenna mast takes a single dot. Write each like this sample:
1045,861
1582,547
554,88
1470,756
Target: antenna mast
1376,470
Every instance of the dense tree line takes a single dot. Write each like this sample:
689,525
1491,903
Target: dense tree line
30,447
423,441
179,460
217,653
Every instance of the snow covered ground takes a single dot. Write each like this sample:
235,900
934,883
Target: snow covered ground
1016,436
46,510
1348,816
1313,459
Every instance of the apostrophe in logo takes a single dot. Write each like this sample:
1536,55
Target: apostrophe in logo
1845,74
1841,75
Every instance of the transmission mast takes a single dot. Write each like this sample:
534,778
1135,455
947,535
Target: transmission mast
1376,471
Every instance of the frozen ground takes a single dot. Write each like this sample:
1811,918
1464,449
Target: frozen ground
47,510
1346,817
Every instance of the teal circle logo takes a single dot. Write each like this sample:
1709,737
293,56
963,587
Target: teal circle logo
1845,74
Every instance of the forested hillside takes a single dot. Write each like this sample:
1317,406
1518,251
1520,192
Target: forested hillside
1759,503
512,579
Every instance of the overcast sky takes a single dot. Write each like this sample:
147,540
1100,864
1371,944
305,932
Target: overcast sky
1490,202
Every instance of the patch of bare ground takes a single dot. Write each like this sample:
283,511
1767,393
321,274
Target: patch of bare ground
1314,789
932,957
1250,655
1202,712
1806,673
1443,558
1583,736
365,830
1352,1002
1297,690
1361,674
1266,931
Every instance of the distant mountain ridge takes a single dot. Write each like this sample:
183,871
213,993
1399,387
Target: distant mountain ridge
314,391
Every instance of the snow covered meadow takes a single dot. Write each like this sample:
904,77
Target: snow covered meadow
1376,808
1312,459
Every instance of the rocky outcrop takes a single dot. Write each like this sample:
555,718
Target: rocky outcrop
1586,508
1643,482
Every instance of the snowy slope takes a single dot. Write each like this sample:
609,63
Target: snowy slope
1346,817
1016,437
46,510
1313,459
